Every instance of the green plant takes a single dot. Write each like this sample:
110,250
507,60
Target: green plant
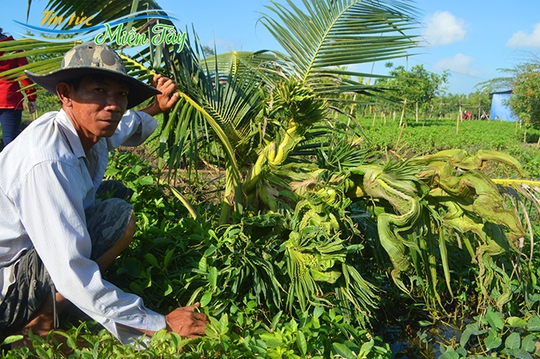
492,333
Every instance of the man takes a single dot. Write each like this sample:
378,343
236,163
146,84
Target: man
56,237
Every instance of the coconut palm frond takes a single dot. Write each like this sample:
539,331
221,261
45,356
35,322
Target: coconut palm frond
239,61
524,196
328,34
42,56
522,189
424,202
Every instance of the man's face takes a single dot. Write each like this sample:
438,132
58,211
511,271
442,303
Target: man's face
97,106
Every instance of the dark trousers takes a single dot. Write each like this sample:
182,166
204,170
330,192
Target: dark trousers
11,124
107,221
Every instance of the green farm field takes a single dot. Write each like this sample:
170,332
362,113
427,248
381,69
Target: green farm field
432,135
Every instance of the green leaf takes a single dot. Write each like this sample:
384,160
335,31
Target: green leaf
450,354
529,343
42,352
168,258
471,329
513,341
318,311
206,298
203,264
251,304
150,258
210,250
330,276
343,350
516,322
493,340
275,320
366,348
133,267
224,323
168,291
136,288
534,324
517,353
301,342
12,339
212,278
494,319
146,180
271,340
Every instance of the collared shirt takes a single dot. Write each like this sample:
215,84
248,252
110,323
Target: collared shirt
46,183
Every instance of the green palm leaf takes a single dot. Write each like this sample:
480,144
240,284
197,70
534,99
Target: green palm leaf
47,56
335,33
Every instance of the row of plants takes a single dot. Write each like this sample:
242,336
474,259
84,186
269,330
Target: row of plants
432,135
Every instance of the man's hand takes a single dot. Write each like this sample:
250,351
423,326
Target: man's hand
186,322
166,100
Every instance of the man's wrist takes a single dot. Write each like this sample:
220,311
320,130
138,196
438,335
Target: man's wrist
152,109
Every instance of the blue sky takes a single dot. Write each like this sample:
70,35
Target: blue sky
471,39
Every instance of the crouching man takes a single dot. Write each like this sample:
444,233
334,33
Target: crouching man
56,236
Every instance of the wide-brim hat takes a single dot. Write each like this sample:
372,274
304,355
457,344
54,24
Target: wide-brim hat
93,59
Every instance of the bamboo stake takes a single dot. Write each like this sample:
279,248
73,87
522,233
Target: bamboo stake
402,113
458,120
399,136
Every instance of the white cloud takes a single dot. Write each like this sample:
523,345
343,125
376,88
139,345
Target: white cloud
461,64
522,39
443,28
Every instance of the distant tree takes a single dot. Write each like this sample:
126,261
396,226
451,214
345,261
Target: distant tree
478,102
415,87
451,104
525,102
502,83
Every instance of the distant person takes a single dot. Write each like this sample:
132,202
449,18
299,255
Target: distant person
11,97
483,116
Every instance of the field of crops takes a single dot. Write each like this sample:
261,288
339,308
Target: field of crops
239,274
432,135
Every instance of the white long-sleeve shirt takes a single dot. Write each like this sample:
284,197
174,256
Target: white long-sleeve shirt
46,183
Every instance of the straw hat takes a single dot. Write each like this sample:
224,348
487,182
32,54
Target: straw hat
88,59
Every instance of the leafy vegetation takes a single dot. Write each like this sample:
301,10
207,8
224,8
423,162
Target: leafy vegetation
320,223
177,260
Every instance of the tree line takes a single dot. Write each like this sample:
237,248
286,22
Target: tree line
422,94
